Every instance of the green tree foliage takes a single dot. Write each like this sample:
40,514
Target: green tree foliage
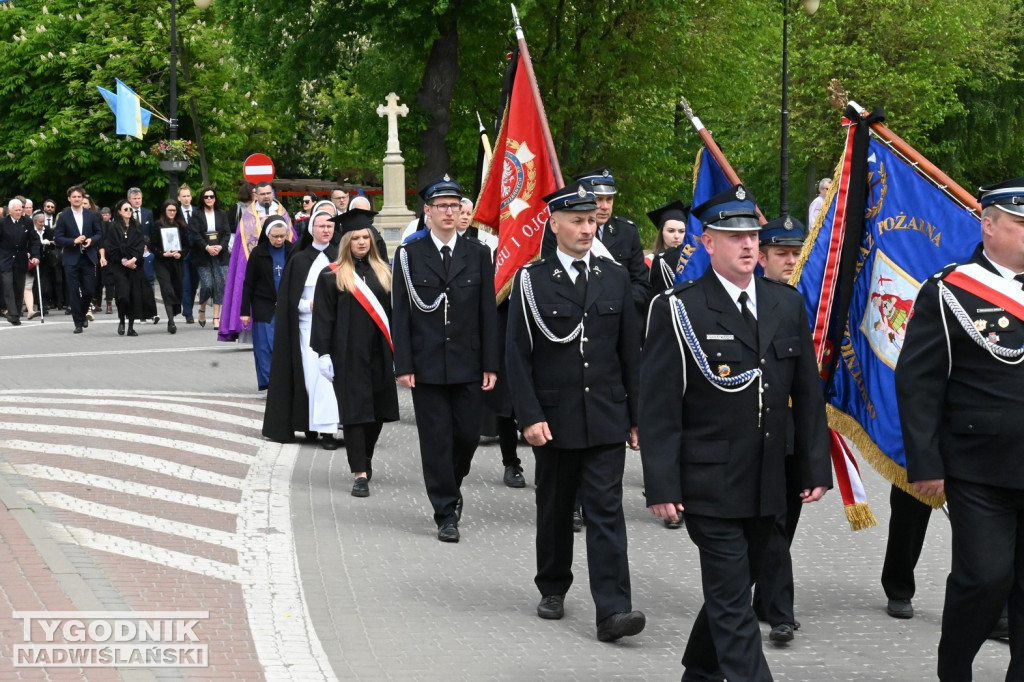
57,129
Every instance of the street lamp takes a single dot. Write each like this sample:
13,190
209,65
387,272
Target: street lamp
809,7
172,128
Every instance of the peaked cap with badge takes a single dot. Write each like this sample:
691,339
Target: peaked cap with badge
576,196
784,231
601,180
1007,195
442,187
732,210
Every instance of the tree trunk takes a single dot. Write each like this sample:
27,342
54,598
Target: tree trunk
435,96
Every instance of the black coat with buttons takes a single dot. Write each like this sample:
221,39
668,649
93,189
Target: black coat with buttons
704,447
585,389
456,348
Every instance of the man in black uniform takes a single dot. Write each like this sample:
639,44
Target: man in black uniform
958,388
780,243
619,236
724,356
444,329
573,350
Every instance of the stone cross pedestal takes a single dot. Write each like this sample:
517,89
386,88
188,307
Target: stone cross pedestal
394,214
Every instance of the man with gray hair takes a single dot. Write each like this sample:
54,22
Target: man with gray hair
18,252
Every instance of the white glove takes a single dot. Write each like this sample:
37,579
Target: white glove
326,367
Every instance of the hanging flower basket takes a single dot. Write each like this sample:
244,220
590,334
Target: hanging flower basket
174,166
174,150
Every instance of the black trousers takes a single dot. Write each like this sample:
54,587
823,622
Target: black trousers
448,423
168,274
360,441
508,440
773,592
596,472
725,642
13,282
908,524
81,281
987,567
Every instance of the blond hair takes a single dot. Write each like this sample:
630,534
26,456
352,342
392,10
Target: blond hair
346,273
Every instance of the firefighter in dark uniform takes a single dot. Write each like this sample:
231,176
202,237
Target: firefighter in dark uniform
780,243
444,329
573,352
958,387
724,356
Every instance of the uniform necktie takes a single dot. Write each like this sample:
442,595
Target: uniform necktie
600,233
446,257
748,316
581,278
1020,278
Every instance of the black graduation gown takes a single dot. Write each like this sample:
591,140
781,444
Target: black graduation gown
169,271
364,373
287,401
135,298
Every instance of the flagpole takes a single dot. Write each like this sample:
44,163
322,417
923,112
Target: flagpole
922,164
712,146
525,52
488,152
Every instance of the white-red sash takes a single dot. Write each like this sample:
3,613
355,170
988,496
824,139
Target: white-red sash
371,305
997,290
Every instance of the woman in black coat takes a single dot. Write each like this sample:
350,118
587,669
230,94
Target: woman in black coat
168,240
210,236
354,348
259,292
123,247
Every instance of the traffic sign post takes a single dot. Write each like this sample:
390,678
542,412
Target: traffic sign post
258,168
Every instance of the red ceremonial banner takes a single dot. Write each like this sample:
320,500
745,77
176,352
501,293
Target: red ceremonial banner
511,201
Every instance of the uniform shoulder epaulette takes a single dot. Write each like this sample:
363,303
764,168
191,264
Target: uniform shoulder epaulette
625,220
536,263
779,282
474,240
941,274
680,287
610,261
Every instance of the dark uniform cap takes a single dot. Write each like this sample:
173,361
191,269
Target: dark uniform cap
733,210
600,180
353,219
576,196
677,210
784,231
1007,195
443,187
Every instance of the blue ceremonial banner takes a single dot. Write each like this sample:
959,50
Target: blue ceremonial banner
911,229
132,119
709,180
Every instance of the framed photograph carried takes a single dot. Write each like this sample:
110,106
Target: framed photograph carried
170,238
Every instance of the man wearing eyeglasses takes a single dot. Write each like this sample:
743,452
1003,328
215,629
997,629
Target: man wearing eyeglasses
444,327
339,198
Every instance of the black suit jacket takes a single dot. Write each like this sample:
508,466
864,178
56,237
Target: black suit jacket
145,222
18,243
258,291
961,410
585,389
200,238
66,233
702,446
622,239
456,348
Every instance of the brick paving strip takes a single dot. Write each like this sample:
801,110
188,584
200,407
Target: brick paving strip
153,501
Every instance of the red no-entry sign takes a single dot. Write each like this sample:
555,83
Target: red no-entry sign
258,168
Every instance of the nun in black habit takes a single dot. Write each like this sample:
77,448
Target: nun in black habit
351,334
288,405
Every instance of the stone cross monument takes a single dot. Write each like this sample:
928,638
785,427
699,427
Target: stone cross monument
394,214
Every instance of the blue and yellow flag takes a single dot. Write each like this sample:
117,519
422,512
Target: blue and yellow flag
885,228
132,119
708,181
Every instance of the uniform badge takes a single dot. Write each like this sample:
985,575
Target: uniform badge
724,370
447,178
980,325
581,193
788,223
607,173
993,337
557,273
596,269
741,194
1003,322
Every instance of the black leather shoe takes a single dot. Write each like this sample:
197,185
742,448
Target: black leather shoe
189,319
577,521
329,442
514,477
620,625
14,320
781,633
171,327
132,332
449,532
78,330
900,608
361,487
1001,629
551,607
458,508
120,328
311,436
85,323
